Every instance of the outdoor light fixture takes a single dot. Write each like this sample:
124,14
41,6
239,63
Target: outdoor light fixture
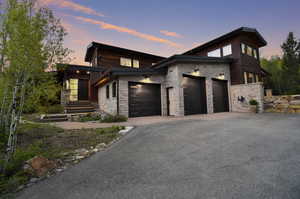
88,72
221,76
196,72
77,71
146,79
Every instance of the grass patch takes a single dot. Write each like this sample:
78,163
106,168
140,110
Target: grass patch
113,118
50,142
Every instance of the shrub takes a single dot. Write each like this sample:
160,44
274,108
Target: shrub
113,118
54,109
89,117
253,102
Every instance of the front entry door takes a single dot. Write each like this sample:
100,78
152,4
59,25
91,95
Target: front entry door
83,89
170,100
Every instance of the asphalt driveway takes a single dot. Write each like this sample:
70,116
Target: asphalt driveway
251,156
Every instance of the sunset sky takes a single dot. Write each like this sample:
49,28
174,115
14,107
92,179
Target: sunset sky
167,27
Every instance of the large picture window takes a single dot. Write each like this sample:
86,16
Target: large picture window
214,53
227,50
125,62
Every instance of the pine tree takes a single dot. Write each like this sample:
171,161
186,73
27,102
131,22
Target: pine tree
291,65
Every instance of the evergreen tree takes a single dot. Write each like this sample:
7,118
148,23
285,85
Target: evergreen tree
291,65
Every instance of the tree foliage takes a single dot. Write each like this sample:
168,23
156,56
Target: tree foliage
31,43
285,70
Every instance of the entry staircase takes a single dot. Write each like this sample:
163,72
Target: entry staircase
80,107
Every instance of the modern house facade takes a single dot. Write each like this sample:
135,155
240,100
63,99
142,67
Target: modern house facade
219,76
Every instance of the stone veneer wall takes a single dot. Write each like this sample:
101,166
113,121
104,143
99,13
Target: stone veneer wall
123,91
107,105
209,71
248,91
282,104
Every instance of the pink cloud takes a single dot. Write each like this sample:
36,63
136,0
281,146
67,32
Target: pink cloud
71,5
108,26
170,34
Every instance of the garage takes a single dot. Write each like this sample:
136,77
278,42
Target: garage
144,99
194,95
220,96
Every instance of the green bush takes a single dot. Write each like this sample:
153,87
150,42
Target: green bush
54,109
113,118
253,102
90,117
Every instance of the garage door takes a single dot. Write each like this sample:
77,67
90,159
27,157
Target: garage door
144,99
220,96
194,95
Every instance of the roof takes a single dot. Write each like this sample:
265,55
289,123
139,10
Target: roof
191,59
262,41
93,45
73,67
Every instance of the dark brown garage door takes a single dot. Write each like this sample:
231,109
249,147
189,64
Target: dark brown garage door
220,96
194,95
144,99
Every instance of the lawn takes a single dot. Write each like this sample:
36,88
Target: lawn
50,142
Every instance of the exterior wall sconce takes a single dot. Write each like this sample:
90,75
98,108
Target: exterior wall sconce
77,71
88,72
221,76
196,72
146,79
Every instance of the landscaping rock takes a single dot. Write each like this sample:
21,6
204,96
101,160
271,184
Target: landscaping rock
39,166
82,152
100,146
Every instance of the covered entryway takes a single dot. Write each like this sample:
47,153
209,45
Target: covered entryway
220,96
194,95
144,99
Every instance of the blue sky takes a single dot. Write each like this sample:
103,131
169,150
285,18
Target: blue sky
169,27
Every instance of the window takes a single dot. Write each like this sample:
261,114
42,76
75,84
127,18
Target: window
227,50
245,78
107,91
73,89
125,62
114,89
250,78
255,53
243,46
135,63
214,53
249,51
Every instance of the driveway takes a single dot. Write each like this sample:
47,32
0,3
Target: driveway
250,156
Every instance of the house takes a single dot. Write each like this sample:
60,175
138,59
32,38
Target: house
219,76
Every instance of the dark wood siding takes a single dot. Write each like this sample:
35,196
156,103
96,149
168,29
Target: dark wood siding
194,95
110,58
144,99
243,63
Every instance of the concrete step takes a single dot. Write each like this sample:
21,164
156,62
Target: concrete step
55,118
74,110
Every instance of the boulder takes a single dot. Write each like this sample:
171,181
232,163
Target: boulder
39,166
295,102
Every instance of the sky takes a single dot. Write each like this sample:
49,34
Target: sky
168,27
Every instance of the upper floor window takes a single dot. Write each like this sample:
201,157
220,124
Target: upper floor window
227,50
125,62
214,53
246,49
135,63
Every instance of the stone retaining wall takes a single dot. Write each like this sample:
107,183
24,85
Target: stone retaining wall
282,103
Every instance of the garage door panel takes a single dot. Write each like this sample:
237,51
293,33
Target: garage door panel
194,95
144,99
220,96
